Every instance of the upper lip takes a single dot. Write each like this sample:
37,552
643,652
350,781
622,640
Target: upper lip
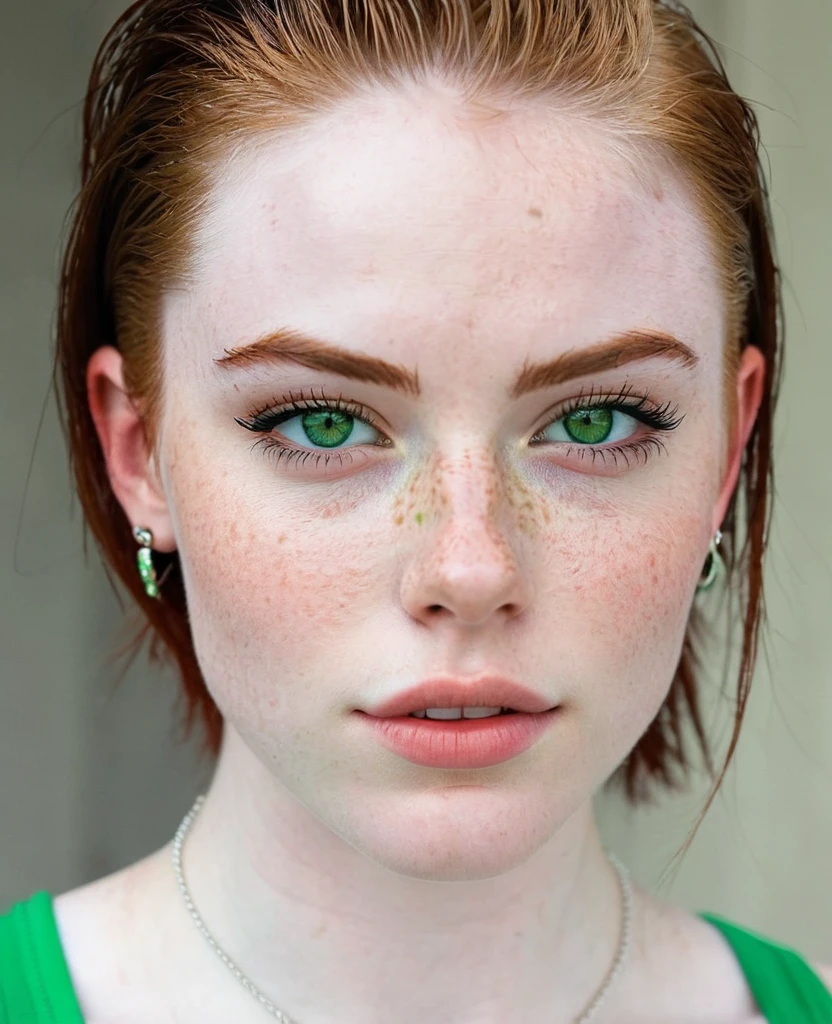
451,692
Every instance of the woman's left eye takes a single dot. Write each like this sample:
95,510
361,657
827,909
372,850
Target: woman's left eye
593,425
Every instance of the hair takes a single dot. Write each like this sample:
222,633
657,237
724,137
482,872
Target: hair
178,86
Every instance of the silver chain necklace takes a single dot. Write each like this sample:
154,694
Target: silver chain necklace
588,1014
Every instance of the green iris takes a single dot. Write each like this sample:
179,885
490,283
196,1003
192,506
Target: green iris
589,426
328,427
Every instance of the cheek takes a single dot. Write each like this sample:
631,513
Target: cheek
268,584
622,596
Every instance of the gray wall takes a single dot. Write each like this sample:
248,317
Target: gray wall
91,775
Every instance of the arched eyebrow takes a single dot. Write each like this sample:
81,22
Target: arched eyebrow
290,346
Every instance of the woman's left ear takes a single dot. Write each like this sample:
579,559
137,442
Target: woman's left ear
751,380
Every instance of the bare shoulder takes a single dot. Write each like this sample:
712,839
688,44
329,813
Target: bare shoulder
824,972
681,936
99,925
694,967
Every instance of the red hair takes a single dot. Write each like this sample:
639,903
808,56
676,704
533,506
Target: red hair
178,85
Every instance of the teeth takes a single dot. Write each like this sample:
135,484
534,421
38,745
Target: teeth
450,714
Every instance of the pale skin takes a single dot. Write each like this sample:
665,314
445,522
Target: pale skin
349,884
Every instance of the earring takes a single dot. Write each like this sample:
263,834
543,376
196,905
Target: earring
145,561
713,564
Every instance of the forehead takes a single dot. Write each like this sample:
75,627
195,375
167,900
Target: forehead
401,209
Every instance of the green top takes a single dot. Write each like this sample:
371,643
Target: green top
36,988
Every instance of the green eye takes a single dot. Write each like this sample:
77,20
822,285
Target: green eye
328,427
589,426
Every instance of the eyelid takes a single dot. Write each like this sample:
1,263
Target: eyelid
295,403
584,399
626,397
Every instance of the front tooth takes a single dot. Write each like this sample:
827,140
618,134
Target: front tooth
480,712
450,714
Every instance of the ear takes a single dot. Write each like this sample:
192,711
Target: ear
751,378
131,466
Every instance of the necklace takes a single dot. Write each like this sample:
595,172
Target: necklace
588,1013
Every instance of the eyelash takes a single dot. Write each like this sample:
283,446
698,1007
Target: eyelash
662,419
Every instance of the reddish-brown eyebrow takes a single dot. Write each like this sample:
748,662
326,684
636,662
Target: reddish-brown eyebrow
292,346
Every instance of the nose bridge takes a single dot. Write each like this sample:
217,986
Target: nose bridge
464,490
469,561
468,485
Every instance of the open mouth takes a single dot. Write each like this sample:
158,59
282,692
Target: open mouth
451,740
456,714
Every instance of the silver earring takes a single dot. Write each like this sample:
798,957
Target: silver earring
144,560
714,564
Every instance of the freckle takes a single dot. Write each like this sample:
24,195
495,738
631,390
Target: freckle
535,211
399,520
281,538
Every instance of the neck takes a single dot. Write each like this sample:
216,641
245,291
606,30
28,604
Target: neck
326,933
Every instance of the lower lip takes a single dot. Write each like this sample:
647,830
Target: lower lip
461,743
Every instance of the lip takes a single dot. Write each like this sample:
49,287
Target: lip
463,743
455,692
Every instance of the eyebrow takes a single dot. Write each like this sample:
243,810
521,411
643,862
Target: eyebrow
290,346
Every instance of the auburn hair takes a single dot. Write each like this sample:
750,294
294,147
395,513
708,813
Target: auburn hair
179,85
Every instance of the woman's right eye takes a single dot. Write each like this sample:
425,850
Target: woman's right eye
326,428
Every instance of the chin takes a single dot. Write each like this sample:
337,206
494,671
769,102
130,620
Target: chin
456,832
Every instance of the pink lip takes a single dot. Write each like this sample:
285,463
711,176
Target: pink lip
450,692
464,743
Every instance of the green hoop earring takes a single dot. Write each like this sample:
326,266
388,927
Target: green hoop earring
144,560
714,564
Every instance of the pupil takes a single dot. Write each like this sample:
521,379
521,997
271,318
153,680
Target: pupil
589,426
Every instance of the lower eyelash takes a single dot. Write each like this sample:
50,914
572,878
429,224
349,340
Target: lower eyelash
639,451
277,450
630,452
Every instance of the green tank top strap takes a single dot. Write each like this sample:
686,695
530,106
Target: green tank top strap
785,986
35,984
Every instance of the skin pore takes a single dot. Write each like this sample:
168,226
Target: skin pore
349,884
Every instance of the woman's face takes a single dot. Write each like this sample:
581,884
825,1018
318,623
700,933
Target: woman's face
466,529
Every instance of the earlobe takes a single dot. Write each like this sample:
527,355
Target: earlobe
131,467
751,379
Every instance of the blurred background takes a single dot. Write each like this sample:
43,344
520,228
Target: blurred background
92,773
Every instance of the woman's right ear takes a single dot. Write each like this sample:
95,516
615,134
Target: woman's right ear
131,466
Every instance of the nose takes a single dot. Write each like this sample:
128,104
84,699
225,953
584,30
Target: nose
468,565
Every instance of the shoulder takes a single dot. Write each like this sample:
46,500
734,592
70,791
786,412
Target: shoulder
691,967
824,972
104,944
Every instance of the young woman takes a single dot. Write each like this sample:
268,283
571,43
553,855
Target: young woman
428,351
